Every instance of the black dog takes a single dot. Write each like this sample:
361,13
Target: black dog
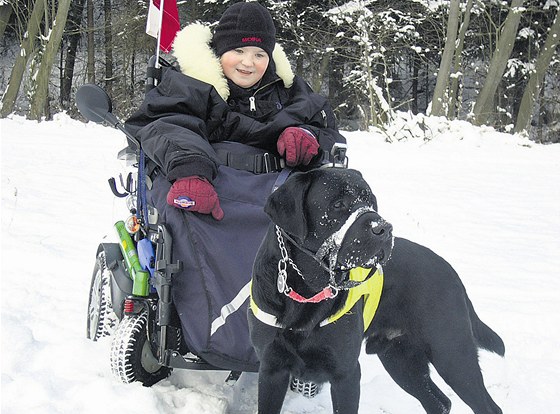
325,223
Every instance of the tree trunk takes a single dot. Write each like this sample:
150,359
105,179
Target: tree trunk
446,60
39,101
415,83
299,65
74,35
322,70
27,48
484,107
338,95
537,76
90,43
454,101
427,86
5,14
108,48
371,82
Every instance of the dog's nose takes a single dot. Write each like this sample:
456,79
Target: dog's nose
382,229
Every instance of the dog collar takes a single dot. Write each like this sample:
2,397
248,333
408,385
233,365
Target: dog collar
326,293
370,288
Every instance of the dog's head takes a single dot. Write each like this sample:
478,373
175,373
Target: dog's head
332,213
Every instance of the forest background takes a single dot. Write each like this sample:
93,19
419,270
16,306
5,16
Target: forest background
489,62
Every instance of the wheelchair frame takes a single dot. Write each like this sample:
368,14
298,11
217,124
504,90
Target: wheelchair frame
140,289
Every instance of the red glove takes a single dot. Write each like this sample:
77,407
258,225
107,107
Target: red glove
195,194
297,145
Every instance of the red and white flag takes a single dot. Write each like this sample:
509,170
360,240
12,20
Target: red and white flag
169,22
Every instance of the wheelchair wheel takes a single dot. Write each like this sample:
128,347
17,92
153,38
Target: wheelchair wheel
306,388
131,356
101,320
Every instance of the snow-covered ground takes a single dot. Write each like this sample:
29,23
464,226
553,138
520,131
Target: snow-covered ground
487,202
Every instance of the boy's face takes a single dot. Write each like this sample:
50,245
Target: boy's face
245,66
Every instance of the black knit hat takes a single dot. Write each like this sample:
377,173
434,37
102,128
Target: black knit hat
245,24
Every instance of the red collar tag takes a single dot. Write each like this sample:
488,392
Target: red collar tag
326,293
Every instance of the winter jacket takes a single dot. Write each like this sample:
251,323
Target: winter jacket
196,105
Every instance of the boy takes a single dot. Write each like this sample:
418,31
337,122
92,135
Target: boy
235,86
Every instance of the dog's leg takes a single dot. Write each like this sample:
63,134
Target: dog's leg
408,366
460,369
345,392
273,385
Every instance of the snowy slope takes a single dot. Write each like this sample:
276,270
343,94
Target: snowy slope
488,202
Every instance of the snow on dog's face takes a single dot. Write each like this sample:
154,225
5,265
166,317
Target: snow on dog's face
332,212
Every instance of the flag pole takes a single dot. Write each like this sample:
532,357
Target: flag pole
161,6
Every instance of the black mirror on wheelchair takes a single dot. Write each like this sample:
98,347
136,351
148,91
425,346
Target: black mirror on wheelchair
93,103
96,106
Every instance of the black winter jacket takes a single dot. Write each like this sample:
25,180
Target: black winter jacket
183,115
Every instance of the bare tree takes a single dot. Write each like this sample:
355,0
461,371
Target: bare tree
484,107
74,33
27,49
90,43
536,78
5,14
39,101
438,107
454,101
108,47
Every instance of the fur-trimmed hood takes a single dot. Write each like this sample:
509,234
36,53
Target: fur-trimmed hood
197,59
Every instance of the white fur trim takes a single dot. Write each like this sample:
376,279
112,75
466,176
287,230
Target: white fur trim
283,67
197,59
192,50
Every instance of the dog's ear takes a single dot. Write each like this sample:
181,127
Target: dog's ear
354,172
358,175
285,206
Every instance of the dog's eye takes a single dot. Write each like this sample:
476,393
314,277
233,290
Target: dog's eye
338,205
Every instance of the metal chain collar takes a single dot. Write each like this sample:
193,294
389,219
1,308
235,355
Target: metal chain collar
283,265
329,249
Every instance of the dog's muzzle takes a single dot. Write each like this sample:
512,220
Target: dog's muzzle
368,242
329,250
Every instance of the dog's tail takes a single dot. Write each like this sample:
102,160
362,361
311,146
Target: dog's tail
484,335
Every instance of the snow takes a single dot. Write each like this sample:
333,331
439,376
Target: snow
487,202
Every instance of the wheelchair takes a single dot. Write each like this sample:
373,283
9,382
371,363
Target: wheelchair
139,291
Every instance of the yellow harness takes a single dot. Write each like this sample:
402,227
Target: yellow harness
370,290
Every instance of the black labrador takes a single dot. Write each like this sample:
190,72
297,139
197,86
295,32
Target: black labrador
324,223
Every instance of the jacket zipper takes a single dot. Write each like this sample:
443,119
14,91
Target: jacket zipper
252,105
252,102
